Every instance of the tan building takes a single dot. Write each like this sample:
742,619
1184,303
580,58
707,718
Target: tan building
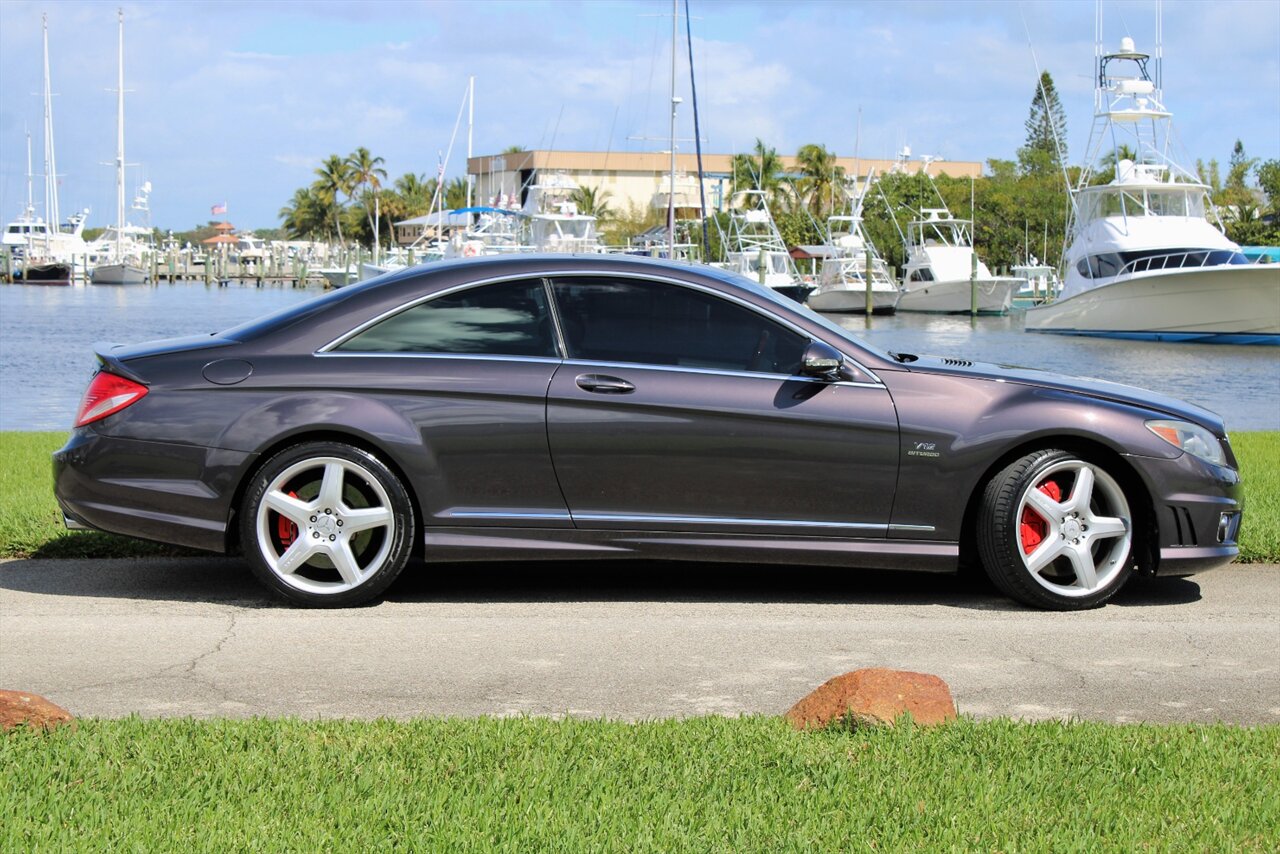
642,179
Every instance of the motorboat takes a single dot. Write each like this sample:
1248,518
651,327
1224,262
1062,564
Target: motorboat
756,249
555,223
1038,283
943,271
121,267
1148,257
850,262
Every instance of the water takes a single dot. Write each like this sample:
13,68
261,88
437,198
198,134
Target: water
46,335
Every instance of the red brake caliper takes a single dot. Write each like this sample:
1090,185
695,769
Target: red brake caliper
1034,527
287,530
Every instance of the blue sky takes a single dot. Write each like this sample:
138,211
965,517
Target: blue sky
238,102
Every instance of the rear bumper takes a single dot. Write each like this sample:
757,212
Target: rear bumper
170,493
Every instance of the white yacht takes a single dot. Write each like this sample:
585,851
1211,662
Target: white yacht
1038,283
940,269
851,261
123,265
755,248
555,224
1145,261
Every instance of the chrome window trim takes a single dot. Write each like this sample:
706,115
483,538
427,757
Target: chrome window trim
414,303
547,276
486,357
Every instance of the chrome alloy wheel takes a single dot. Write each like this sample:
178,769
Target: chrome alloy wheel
325,525
1075,530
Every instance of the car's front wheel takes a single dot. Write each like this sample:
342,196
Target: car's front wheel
1056,532
325,524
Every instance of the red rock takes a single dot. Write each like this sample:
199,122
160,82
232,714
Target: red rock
23,707
875,695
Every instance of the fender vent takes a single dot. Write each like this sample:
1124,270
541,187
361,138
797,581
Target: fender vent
957,363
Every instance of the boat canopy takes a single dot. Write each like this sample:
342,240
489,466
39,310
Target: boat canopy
1170,200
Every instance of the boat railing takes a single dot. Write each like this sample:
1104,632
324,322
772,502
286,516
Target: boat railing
1182,259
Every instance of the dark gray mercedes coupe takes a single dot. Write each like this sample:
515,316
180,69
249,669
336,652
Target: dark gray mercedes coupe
556,407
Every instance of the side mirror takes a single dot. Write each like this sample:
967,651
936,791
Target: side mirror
821,360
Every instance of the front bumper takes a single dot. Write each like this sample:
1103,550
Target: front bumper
1198,512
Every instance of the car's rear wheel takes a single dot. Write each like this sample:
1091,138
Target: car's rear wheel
325,524
1056,532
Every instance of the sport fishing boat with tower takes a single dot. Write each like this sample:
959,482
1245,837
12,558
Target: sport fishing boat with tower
852,262
1148,257
755,248
943,271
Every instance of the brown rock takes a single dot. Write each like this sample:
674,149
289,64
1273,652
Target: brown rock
23,707
875,696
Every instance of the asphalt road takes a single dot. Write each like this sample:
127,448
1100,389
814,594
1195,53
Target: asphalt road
625,640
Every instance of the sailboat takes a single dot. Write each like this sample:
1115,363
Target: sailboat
1145,261
124,265
49,253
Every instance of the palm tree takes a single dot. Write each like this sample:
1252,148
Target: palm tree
758,171
304,216
593,201
332,182
821,178
455,194
415,192
366,171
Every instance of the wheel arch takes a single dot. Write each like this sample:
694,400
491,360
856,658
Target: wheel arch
1090,449
327,433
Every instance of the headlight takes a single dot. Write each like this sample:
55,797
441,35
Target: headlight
1192,438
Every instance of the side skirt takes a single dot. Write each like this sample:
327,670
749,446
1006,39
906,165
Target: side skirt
449,545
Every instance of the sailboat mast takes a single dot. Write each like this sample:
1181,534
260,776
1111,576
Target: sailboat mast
671,189
31,205
50,161
120,141
471,123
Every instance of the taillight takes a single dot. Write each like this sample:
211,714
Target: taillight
106,395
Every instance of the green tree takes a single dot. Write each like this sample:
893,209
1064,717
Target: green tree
333,181
761,170
593,201
1046,130
305,217
821,184
1210,176
455,194
366,172
1268,173
514,149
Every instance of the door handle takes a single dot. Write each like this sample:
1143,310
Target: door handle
603,384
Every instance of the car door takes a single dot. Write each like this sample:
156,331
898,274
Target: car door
679,408
469,369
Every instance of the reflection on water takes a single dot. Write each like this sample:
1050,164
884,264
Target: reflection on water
46,334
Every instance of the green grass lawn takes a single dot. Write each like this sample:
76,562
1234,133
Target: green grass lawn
703,784
30,524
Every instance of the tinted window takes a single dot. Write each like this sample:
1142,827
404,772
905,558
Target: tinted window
626,320
506,319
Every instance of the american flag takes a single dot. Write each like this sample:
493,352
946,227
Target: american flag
218,209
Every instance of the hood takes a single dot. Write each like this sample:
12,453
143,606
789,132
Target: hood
1102,389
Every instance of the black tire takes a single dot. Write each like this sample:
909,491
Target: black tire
326,543
1040,551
